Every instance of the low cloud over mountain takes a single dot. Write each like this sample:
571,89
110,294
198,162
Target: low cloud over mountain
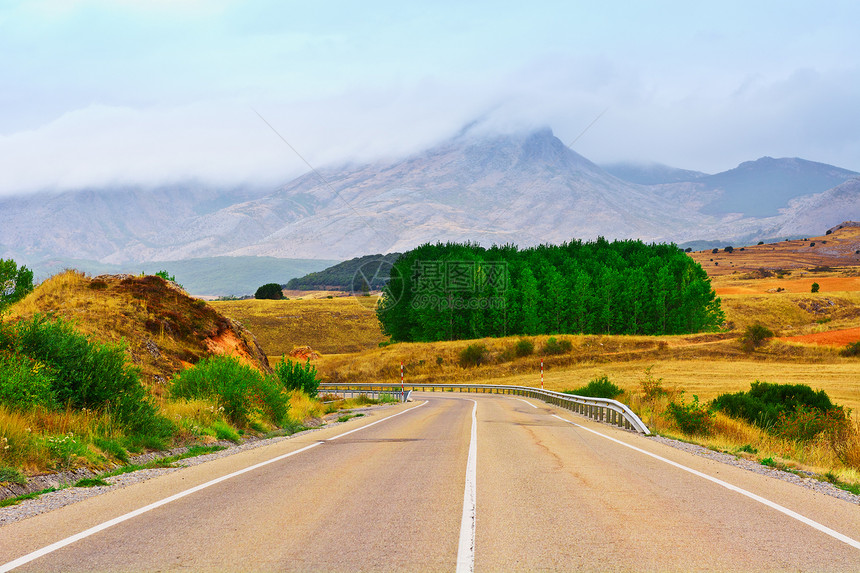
523,188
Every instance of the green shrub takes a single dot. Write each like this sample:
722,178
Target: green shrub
692,418
524,347
473,355
85,373
168,277
25,383
270,291
815,287
553,346
754,336
598,388
271,400
652,388
804,424
791,410
236,387
67,450
852,349
296,376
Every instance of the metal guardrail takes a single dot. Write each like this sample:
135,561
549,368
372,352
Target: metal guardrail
349,390
599,409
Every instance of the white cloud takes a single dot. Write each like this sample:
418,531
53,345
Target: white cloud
98,92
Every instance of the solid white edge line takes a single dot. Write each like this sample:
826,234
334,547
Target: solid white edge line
794,515
125,517
466,548
527,402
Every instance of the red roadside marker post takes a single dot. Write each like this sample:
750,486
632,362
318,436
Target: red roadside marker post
541,373
401,379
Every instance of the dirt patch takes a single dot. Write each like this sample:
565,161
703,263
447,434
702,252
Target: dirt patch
801,284
229,343
304,353
830,338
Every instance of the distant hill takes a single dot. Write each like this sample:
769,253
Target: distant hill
760,188
651,173
369,272
822,210
115,225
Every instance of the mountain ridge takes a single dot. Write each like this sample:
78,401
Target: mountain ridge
524,187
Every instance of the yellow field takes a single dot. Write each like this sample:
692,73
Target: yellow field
345,324
347,333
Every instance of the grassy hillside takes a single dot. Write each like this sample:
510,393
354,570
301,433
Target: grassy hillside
93,369
163,328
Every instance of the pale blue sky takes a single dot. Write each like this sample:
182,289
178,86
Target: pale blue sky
147,91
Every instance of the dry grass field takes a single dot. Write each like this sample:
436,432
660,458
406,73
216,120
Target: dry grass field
328,325
834,250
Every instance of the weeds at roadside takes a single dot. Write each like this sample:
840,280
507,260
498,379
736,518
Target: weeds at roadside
830,477
91,482
12,475
652,387
32,495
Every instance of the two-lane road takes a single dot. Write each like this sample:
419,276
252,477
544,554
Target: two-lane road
386,493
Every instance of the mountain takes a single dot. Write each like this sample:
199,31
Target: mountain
525,188
760,188
651,173
813,214
116,225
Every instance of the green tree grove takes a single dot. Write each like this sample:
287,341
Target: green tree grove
459,291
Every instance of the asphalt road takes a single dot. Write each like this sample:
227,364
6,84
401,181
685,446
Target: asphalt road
552,491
